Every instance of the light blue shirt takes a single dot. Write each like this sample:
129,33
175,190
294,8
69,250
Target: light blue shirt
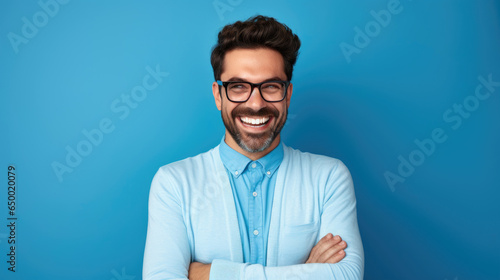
252,183
192,217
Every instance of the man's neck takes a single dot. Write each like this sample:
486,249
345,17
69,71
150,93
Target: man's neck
253,156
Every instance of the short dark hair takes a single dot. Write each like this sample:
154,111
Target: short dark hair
256,32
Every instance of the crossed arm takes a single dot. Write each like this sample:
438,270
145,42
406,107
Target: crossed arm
168,255
330,249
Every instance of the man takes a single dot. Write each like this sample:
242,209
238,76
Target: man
253,208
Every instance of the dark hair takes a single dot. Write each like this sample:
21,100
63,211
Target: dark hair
256,32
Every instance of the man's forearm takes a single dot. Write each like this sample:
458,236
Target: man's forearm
228,270
199,271
329,250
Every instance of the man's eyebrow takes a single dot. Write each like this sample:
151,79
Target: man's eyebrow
238,79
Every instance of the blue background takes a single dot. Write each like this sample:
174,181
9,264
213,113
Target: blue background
442,222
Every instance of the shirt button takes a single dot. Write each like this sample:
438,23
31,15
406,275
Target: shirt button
236,173
254,193
268,172
255,232
254,165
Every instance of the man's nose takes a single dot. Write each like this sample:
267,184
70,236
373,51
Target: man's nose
255,101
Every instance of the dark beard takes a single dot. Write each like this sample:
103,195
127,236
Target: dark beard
254,142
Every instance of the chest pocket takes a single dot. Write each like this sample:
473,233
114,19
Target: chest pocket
296,242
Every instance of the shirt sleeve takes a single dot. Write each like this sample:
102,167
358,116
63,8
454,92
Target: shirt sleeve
339,218
167,253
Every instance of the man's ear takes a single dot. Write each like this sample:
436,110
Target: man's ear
289,95
217,95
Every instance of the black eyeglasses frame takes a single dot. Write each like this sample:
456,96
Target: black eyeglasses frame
252,86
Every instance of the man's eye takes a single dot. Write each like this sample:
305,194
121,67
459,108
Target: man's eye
273,86
238,86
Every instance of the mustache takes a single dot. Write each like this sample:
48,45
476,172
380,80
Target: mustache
265,111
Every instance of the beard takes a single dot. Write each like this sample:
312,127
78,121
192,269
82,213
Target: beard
254,142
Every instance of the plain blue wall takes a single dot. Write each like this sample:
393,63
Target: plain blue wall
364,98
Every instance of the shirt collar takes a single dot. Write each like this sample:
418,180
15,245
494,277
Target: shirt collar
236,163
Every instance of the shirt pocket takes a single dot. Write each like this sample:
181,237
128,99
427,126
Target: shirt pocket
296,242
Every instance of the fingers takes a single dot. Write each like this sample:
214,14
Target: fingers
335,253
322,245
330,249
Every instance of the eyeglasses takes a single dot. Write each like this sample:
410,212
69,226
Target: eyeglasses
239,92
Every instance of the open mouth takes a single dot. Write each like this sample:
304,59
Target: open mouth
255,121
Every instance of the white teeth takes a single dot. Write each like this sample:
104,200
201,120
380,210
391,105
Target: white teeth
254,121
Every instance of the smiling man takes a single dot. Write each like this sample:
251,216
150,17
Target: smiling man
253,121
253,208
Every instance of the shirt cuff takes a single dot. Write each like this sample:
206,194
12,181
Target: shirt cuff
225,270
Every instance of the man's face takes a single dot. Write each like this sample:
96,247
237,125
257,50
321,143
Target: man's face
255,124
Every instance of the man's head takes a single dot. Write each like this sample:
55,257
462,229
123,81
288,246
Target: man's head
257,50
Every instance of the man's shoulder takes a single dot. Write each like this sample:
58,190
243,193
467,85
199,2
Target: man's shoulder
318,160
197,162
323,172
178,177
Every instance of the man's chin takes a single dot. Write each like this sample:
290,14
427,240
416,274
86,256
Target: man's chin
256,142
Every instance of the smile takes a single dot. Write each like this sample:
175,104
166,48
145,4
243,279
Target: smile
257,122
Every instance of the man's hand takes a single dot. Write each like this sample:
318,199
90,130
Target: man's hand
329,249
199,271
